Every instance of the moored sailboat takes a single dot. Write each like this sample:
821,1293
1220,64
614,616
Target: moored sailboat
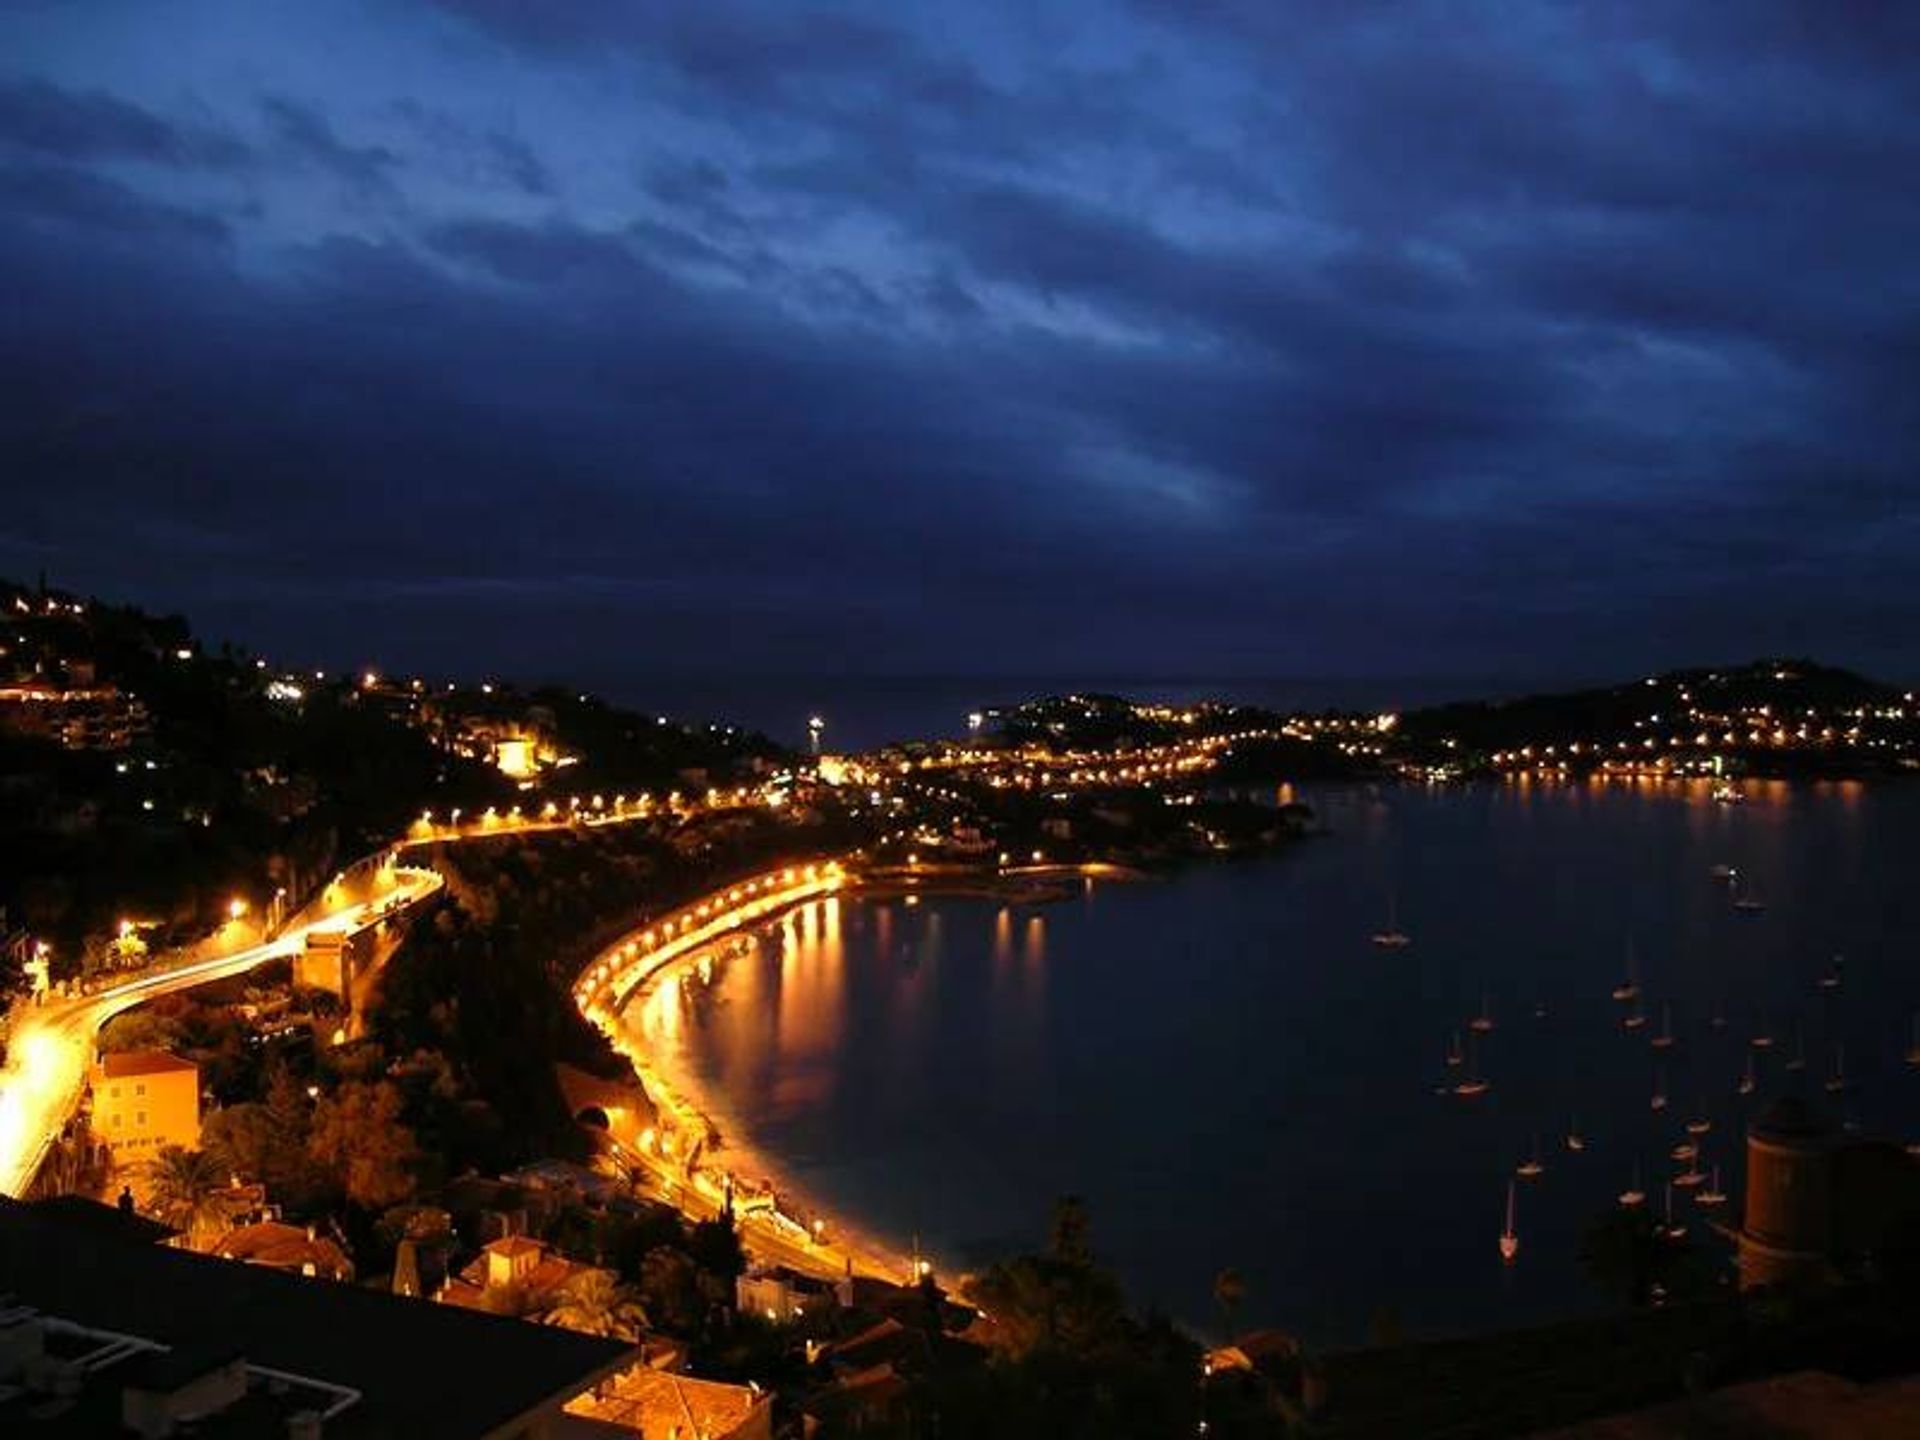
1630,987
1532,1167
1392,937
1837,1081
1483,1022
1664,1039
1711,1195
1633,1196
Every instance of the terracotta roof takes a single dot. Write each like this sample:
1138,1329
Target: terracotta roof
654,1402
284,1247
120,1064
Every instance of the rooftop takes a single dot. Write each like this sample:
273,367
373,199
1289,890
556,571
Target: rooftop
656,1403
419,1369
121,1064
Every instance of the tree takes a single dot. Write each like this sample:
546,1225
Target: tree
1070,1225
1044,1305
244,1140
670,1288
142,1028
715,1247
1229,1290
359,1137
594,1302
181,1186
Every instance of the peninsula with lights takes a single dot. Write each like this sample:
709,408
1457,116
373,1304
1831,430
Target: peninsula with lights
329,974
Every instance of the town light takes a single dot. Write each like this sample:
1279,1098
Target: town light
236,907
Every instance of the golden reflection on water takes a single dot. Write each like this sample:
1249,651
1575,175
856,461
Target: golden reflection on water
812,969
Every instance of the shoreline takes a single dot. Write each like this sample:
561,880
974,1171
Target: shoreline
719,1158
705,1175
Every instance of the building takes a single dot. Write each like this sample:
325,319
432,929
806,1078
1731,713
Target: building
75,717
295,1249
1819,1205
106,1335
144,1100
783,1295
656,1403
514,1264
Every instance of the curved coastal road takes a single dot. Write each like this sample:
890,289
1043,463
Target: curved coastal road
53,1043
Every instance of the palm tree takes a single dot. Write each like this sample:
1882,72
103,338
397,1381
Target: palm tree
182,1186
594,1302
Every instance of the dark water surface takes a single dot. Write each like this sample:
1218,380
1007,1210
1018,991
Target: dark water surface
1231,1075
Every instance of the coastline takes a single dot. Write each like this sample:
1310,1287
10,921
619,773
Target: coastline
697,1165
711,1160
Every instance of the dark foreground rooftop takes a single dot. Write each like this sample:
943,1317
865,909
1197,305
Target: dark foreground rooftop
413,1368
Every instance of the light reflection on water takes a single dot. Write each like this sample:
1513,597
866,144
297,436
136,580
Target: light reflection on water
1231,1075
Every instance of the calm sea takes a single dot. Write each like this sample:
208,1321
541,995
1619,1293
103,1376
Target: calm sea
1230,1074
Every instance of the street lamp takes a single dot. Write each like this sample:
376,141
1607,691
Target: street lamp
815,727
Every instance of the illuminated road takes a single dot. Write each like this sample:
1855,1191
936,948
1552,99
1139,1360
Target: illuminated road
52,1044
591,812
620,975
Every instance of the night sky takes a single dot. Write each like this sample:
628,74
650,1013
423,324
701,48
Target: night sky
610,340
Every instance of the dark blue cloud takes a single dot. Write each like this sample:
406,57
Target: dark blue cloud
1236,337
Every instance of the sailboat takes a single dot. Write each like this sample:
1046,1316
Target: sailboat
1664,1040
1711,1195
1837,1081
1393,937
1830,980
1671,1230
1629,988
1797,1061
1509,1238
1635,1018
1659,1099
1685,1150
1748,1080
1483,1022
1693,1176
1700,1124
1575,1140
1454,1056
1633,1196
1473,1084
1532,1167
1722,871
1746,904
